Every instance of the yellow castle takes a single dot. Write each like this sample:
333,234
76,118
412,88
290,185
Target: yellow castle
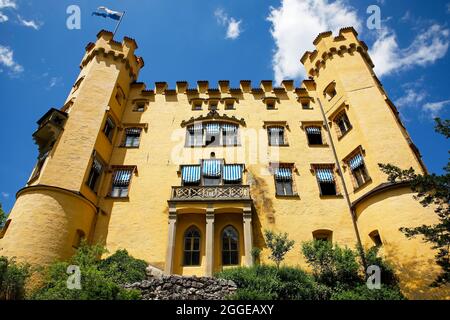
188,178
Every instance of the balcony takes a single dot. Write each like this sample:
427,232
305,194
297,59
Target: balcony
201,193
50,127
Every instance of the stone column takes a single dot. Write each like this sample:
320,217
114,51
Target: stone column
171,240
209,241
248,236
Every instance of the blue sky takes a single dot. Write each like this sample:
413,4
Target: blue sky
213,40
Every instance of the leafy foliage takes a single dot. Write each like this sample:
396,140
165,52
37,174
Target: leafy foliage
431,190
332,266
363,293
100,279
2,217
263,282
13,277
279,245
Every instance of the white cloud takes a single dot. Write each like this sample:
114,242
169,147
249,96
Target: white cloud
433,108
233,25
411,98
295,25
54,81
427,47
29,23
7,60
8,4
5,194
3,18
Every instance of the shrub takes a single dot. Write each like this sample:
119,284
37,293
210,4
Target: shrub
363,293
279,245
100,279
332,266
13,277
256,255
262,282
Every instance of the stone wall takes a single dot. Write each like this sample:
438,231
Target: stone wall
176,287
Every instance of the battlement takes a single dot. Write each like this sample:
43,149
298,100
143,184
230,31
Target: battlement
328,45
223,88
107,46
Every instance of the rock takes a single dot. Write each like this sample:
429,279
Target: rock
154,272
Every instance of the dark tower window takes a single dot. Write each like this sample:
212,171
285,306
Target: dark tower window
192,247
314,135
325,179
283,181
343,124
108,129
132,137
230,246
121,183
94,175
375,236
276,136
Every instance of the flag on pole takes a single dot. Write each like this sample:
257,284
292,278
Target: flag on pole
107,13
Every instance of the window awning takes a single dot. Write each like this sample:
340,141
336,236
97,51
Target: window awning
356,162
211,168
190,173
212,128
313,130
122,177
195,128
276,130
232,172
227,127
283,174
133,131
325,175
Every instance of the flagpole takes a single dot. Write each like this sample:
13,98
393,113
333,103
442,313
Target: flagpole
118,24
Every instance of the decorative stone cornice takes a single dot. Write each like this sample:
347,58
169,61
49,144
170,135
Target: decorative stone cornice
212,115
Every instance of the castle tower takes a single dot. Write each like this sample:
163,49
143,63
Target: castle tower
59,205
366,130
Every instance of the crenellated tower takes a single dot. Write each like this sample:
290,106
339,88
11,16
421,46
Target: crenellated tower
60,203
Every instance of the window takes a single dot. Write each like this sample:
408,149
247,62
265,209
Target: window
232,174
330,91
276,135
132,137
5,227
190,175
229,105
283,181
229,134
342,124
139,107
95,174
212,172
121,183
325,179
197,106
270,105
358,169
192,247
77,84
323,235
213,106
108,129
230,249
79,237
39,165
375,236
212,134
119,95
306,105
314,135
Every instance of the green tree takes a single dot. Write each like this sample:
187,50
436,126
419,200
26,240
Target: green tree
100,279
2,217
13,277
279,245
332,266
431,190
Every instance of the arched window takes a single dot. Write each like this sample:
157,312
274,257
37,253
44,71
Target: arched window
192,247
230,246
323,235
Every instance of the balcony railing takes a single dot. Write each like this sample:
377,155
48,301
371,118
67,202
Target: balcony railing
227,192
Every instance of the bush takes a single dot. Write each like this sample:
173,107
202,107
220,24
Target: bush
279,244
13,277
363,293
100,279
262,282
332,266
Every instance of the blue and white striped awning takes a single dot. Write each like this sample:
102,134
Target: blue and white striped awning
356,161
276,129
325,175
283,173
228,127
313,130
232,172
133,131
212,128
196,127
122,177
211,168
190,174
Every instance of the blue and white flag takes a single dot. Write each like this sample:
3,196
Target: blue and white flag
107,13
